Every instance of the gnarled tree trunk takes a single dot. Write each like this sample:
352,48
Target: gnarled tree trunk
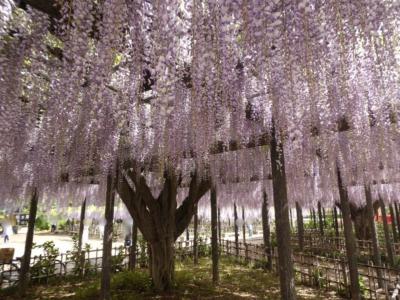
159,219
162,255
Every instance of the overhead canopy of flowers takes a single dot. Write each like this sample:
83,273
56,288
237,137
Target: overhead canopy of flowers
197,84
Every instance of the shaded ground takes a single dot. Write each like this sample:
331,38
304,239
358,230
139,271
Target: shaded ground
192,282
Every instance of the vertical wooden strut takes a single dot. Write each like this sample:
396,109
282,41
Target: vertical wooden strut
243,225
81,225
195,236
80,237
394,229
320,219
235,215
335,221
351,250
214,236
107,239
286,272
219,228
300,226
396,208
374,238
25,263
132,253
266,231
388,242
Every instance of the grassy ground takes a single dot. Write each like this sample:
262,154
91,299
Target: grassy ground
192,282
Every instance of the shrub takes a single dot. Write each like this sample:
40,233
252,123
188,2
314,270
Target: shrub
91,292
138,281
41,223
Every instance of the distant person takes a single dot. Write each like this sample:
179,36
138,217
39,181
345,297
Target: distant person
53,228
7,231
127,240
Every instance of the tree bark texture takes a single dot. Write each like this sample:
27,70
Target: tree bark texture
195,237
286,272
266,231
81,225
350,241
25,263
320,219
107,240
214,236
300,226
132,253
243,225
394,228
236,225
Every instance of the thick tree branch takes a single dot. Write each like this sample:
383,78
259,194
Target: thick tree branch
136,208
186,211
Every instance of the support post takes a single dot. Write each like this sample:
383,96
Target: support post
300,226
25,263
286,272
219,228
243,226
388,242
394,229
214,236
351,250
374,238
81,225
107,239
320,219
80,237
132,253
195,236
396,209
236,230
266,231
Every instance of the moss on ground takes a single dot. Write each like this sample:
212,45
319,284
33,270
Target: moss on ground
237,281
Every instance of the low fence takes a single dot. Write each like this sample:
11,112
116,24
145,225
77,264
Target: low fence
322,272
44,267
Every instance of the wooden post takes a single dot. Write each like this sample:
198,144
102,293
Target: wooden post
300,226
195,237
351,250
236,229
243,225
396,209
132,253
374,238
25,263
286,272
214,236
320,219
81,225
266,231
394,229
107,240
219,228
388,242
336,226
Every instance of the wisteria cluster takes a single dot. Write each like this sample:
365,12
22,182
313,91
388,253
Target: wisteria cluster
198,84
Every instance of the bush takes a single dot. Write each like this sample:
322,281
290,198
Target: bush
138,281
91,292
41,223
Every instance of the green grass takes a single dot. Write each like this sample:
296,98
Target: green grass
237,281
